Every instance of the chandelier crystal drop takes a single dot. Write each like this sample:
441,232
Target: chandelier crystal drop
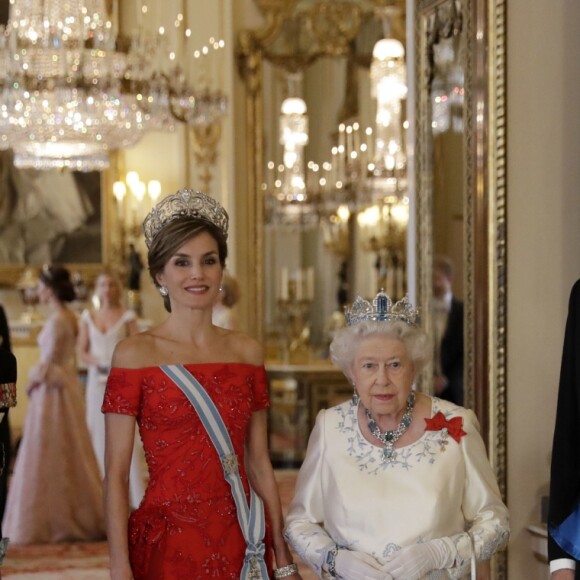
69,95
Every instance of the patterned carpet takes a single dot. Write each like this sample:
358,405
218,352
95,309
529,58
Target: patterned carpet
89,561
82,561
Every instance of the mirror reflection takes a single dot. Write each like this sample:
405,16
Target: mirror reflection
446,96
334,189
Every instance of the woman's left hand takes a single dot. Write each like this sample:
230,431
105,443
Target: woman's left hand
413,562
359,565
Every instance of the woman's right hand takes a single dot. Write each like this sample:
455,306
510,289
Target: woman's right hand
31,386
563,574
350,564
121,572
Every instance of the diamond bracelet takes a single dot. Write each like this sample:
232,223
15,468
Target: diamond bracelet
285,571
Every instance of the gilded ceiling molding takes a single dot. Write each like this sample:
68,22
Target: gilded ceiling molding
334,26
205,149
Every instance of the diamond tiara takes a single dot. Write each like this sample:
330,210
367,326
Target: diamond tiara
185,203
382,309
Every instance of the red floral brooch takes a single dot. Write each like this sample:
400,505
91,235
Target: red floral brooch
452,427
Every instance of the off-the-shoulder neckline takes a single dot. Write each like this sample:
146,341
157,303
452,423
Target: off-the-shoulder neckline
186,365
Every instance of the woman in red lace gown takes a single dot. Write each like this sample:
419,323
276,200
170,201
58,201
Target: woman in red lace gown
187,524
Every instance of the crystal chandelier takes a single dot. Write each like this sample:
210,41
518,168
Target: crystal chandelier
382,198
290,200
387,171
368,173
447,93
68,95
367,166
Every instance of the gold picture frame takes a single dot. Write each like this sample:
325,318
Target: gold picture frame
12,271
484,206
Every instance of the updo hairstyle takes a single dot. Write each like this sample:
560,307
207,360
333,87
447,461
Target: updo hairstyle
58,279
231,290
346,341
170,238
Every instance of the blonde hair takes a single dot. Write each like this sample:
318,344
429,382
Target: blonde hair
231,290
114,276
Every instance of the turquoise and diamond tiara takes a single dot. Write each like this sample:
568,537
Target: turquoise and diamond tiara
382,309
185,203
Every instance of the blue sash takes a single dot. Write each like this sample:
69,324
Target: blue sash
251,518
567,534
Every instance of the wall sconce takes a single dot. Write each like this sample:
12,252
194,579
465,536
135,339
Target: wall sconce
295,297
27,285
134,199
335,231
383,230
336,235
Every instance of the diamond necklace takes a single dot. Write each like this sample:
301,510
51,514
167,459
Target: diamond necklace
389,438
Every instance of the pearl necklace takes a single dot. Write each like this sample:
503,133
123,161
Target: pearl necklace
389,438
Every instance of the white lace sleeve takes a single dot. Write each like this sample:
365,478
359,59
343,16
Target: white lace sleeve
305,521
485,513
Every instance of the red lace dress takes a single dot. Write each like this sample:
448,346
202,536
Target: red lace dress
186,525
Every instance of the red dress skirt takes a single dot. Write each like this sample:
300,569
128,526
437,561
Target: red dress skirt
187,525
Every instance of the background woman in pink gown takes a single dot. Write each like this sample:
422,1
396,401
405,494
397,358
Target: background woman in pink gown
56,492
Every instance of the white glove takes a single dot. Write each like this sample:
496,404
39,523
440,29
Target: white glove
350,565
413,562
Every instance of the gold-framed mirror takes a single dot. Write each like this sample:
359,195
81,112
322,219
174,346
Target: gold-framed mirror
477,27
321,52
472,34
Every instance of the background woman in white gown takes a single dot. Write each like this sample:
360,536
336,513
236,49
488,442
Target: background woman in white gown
100,331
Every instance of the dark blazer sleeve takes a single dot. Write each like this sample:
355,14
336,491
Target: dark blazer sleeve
565,466
4,331
452,354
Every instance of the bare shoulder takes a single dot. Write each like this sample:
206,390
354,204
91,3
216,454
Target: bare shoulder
134,351
247,348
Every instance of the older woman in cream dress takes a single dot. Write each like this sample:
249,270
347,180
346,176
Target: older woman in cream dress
395,484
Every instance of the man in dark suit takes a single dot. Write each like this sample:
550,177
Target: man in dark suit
564,508
5,440
4,332
448,331
7,400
